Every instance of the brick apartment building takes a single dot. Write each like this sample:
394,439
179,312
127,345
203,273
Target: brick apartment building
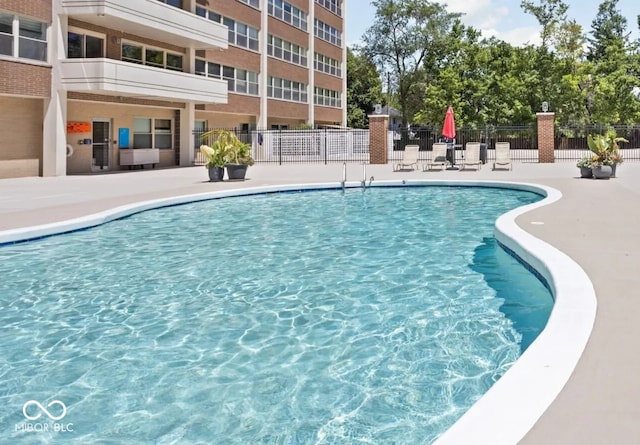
97,85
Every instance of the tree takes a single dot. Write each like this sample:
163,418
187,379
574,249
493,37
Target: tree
404,32
456,75
614,67
550,14
513,82
364,89
568,41
573,95
614,101
608,31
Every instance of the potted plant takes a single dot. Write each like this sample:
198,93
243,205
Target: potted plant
616,159
584,165
216,159
235,153
238,158
606,154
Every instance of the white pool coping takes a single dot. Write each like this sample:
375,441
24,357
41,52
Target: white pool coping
511,407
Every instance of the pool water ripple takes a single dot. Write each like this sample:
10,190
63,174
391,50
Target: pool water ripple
320,317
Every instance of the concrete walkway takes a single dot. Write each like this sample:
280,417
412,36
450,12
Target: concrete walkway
596,223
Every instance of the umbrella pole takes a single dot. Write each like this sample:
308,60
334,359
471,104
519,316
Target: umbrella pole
452,146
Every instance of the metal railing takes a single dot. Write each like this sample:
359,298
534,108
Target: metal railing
352,145
522,139
301,146
571,140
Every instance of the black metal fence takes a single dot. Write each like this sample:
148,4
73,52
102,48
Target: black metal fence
523,140
571,140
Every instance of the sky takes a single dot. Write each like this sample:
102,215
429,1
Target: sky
503,19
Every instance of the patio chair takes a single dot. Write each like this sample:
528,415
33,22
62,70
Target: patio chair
503,155
438,157
409,158
471,156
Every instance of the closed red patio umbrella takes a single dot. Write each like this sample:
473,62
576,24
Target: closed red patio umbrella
449,126
449,132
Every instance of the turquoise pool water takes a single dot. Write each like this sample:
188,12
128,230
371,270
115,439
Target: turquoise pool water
298,318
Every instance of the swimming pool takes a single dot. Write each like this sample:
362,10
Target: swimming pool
239,351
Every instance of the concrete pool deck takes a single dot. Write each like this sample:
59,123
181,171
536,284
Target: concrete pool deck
595,223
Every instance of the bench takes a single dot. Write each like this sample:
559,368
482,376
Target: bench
139,156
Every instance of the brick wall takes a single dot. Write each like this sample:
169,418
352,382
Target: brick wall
238,11
327,49
25,79
224,120
378,125
286,109
21,128
37,9
237,104
288,32
328,17
327,81
235,57
303,5
546,137
327,114
284,70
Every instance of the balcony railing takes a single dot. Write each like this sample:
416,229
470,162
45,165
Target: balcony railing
151,19
115,77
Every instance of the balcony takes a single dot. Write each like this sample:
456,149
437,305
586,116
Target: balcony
151,19
114,77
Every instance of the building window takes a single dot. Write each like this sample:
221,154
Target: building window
152,133
176,3
31,42
288,13
6,34
331,5
327,65
132,53
142,136
158,58
238,80
241,35
327,33
284,50
327,98
174,62
207,13
278,88
254,3
84,46
33,39
162,133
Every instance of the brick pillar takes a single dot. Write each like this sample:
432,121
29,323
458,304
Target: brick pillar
378,125
546,137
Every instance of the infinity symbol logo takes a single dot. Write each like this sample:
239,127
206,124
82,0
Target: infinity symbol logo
44,410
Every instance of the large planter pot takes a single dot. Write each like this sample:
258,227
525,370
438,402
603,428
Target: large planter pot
237,171
586,172
603,172
216,174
